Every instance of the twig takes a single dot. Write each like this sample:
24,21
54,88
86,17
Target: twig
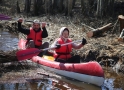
87,26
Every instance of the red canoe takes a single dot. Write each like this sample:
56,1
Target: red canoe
90,72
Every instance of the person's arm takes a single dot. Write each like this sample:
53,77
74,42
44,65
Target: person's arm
54,43
76,46
22,30
44,33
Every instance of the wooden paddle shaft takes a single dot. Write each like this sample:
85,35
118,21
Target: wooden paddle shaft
40,22
29,53
61,45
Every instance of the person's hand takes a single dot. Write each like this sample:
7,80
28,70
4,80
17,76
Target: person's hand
84,41
43,24
58,46
20,20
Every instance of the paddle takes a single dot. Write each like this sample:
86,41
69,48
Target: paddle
4,17
29,53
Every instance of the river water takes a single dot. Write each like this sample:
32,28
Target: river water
8,41
113,81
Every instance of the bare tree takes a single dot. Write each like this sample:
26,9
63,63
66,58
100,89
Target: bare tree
85,6
99,11
48,6
68,4
104,7
1,1
110,7
18,8
37,6
27,6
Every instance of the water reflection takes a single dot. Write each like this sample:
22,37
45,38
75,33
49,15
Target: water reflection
8,41
46,84
113,80
16,86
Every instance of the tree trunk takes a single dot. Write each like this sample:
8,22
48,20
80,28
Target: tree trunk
65,5
60,5
18,8
1,1
99,11
35,8
121,21
111,7
27,6
73,4
48,7
70,5
105,7
55,4
85,7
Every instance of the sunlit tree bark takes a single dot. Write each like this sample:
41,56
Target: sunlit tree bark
99,11
104,7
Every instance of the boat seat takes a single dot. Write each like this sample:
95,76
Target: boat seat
51,58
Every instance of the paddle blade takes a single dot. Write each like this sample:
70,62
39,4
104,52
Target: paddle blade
27,54
4,17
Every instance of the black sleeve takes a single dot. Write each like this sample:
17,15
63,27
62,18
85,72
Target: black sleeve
22,30
44,33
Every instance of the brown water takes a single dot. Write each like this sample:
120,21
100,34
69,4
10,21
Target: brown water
113,81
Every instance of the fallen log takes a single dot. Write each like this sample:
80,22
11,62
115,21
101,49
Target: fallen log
99,31
8,56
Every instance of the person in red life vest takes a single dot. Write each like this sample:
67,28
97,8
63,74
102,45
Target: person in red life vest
63,53
34,34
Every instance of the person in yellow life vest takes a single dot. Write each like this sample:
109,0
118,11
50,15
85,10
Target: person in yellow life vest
34,34
63,53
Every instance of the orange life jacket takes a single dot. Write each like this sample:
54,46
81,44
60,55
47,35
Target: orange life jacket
64,51
35,36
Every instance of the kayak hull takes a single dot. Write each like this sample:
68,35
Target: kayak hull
98,81
74,71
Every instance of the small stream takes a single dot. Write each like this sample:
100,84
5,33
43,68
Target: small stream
113,81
